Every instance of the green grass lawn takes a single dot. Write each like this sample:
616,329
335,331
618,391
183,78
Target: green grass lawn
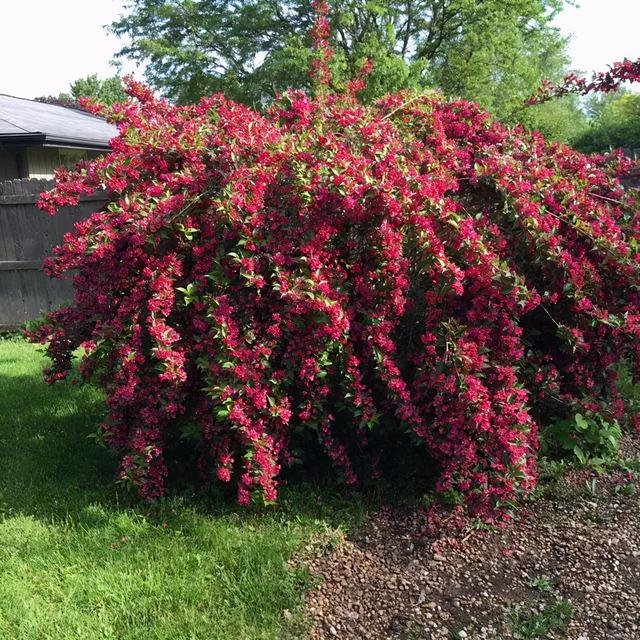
78,559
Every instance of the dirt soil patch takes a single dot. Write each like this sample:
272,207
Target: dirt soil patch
568,567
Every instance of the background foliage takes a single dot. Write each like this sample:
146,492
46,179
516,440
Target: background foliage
614,121
491,51
108,91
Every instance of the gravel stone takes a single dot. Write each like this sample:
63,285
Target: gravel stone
390,581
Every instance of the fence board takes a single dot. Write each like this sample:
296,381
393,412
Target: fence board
27,236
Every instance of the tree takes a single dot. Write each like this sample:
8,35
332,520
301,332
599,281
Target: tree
491,51
61,100
615,122
109,90
563,119
615,119
497,52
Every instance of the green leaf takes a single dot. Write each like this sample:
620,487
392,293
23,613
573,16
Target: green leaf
581,423
580,454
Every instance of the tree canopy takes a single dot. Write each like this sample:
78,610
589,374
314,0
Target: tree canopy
615,122
491,51
107,90
608,119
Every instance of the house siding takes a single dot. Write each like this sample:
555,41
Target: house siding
42,163
9,169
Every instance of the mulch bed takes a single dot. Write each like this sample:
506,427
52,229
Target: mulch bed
575,549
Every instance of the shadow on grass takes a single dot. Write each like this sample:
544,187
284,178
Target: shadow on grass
81,558
77,560
48,463
52,467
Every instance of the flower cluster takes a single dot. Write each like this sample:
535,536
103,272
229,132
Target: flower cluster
601,82
344,274
320,32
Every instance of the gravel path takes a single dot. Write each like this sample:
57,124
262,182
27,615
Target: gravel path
568,568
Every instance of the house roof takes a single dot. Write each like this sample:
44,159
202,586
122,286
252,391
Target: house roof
25,121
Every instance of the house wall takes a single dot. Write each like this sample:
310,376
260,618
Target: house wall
9,169
43,161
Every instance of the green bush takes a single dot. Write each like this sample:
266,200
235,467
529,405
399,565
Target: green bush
585,437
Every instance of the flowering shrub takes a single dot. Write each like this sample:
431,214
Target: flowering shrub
335,272
601,82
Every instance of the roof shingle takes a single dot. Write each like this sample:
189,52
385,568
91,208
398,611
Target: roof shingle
22,119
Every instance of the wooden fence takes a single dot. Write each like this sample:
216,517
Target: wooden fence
27,236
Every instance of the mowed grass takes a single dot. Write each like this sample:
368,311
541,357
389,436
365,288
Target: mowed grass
81,560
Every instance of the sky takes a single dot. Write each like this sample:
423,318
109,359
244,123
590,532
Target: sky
47,44
602,32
